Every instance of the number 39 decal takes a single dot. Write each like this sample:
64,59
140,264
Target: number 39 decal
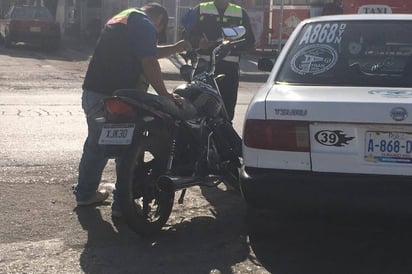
335,138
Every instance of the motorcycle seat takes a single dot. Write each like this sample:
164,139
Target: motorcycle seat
187,110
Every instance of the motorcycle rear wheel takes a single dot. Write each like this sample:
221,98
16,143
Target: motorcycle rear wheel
145,205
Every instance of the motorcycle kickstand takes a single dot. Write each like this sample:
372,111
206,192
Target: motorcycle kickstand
182,196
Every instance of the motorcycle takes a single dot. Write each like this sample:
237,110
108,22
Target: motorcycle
162,148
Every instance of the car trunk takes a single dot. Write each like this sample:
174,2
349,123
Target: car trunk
352,130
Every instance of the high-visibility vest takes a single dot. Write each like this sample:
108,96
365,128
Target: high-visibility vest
113,55
209,13
209,8
122,16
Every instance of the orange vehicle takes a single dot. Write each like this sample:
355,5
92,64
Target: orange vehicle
280,20
376,6
275,32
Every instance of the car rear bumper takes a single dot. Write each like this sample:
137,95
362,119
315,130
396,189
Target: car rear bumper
280,189
33,37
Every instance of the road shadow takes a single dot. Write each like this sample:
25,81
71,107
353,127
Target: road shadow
101,237
192,245
70,50
228,231
230,228
234,241
341,244
201,244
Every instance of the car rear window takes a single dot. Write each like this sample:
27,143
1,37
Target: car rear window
31,13
351,53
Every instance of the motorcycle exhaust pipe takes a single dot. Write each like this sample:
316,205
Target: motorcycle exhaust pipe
179,182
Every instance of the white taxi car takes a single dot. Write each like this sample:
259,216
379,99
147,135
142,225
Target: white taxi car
334,119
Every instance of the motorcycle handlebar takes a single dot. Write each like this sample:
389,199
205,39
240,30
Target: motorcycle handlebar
192,54
218,53
227,46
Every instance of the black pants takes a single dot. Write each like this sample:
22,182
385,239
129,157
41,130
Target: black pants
228,86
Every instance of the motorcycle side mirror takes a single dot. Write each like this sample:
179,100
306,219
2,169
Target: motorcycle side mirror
234,32
186,72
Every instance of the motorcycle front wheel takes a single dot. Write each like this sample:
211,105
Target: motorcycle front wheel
145,205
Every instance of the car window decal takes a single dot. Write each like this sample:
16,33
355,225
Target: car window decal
314,59
336,138
318,54
392,93
323,33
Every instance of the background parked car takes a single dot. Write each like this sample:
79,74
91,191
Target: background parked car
30,24
333,123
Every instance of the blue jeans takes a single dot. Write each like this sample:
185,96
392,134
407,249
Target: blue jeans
93,161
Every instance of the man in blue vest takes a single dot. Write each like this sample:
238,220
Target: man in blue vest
125,57
205,29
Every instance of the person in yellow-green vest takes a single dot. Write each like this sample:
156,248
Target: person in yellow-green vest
125,57
204,27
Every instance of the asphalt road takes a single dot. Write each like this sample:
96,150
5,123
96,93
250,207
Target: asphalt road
42,231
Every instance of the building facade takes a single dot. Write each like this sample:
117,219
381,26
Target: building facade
85,18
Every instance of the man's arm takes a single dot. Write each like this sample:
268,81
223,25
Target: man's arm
143,41
167,50
153,73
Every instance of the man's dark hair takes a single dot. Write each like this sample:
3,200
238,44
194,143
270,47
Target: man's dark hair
156,9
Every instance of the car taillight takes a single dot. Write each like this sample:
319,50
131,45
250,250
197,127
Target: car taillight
16,25
277,135
118,107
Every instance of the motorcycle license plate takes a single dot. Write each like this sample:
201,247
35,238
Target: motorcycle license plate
116,134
